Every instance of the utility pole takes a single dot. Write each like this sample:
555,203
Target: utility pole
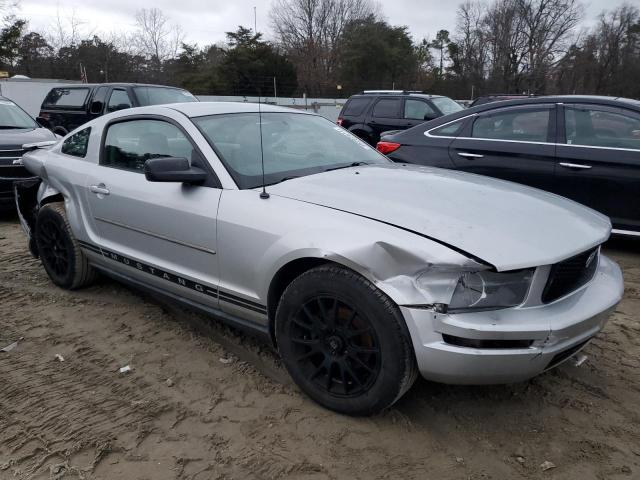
275,91
255,21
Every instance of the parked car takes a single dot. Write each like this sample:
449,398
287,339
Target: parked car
372,112
16,129
360,271
69,106
581,147
498,97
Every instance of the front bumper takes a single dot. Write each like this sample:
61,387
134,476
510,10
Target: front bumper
556,331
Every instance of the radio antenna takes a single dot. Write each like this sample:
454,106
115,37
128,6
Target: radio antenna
264,195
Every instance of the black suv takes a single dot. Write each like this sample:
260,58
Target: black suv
372,112
68,107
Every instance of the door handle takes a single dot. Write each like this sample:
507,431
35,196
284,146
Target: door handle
100,189
576,166
470,155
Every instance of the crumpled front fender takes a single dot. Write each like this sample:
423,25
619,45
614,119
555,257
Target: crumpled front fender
393,261
46,191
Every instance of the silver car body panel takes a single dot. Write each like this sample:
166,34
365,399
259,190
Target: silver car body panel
465,211
221,248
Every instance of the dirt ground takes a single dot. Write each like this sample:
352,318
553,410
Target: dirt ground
205,402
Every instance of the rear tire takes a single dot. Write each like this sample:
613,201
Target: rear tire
344,342
364,137
60,253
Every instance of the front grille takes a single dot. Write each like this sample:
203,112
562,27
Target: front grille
11,153
11,172
569,275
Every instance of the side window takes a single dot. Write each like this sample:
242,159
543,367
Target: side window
119,100
450,130
525,125
417,110
128,145
66,97
77,144
602,128
387,108
356,106
100,94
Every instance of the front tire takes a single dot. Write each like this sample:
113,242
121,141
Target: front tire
60,253
344,342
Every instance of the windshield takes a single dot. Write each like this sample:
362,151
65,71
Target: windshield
12,116
159,95
294,145
446,105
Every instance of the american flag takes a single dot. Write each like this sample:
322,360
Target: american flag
83,74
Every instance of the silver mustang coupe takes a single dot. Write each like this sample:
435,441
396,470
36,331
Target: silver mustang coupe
360,271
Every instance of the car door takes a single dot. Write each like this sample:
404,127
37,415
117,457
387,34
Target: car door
513,143
385,115
163,234
598,158
417,111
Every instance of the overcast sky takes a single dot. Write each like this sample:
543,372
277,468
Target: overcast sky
206,21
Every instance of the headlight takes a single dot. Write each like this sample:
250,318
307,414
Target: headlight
487,290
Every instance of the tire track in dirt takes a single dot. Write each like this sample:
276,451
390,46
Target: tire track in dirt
49,411
240,419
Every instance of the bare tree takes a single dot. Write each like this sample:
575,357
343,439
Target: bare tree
157,39
309,30
8,10
548,24
472,42
66,29
515,44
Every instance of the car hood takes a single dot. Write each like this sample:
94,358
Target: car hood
507,225
15,138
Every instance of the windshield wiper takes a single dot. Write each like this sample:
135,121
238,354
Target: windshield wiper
284,179
354,164
10,127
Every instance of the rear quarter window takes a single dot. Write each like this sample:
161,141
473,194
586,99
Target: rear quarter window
66,97
76,145
356,106
449,130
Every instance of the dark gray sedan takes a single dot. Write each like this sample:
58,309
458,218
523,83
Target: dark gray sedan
17,128
585,148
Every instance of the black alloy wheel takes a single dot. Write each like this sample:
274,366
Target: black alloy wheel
53,247
336,346
58,249
343,341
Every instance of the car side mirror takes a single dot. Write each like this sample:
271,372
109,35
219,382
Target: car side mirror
430,116
44,123
96,107
173,169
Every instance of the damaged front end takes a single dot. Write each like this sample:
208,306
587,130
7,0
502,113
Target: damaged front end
26,195
30,193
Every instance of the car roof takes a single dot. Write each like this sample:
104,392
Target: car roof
598,99
113,84
586,99
590,99
200,109
395,94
